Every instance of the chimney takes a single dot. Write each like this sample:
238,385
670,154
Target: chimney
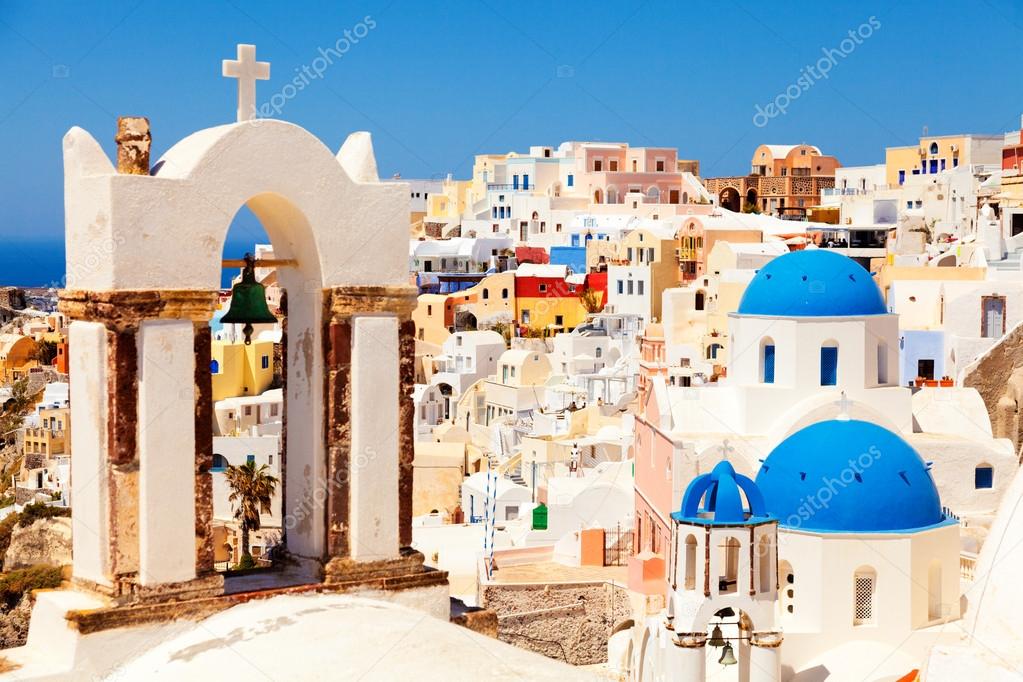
133,141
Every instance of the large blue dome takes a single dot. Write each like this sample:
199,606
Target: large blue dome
848,476
812,283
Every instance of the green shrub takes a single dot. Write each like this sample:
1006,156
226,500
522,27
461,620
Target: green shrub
37,510
246,563
14,585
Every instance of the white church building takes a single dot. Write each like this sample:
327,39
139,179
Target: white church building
837,562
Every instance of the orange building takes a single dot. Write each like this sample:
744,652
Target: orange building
784,180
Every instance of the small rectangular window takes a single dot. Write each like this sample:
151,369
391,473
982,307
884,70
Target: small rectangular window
266,362
983,477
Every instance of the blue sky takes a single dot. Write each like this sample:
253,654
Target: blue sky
436,83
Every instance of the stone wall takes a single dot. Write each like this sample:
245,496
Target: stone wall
568,622
998,377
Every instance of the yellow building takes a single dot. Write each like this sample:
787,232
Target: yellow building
240,370
492,300
16,356
433,317
655,249
450,202
51,437
933,154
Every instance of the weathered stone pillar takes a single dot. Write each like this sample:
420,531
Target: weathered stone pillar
765,657
687,659
369,352
139,475
203,351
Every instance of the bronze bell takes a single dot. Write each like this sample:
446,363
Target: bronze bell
727,656
248,302
715,637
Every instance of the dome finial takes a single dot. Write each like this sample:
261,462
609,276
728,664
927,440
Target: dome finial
843,408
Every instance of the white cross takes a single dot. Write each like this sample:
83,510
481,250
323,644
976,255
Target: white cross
843,407
726,449
247,70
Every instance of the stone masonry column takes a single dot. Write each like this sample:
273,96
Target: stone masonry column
765,657
138,475
686,657
369,351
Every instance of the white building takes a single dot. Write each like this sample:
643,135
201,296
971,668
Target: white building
838,557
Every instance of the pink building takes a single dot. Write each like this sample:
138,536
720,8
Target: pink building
658,493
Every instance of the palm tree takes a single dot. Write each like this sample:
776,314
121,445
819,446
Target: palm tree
252,492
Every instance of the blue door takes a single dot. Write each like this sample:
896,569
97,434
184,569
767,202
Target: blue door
525,182
768,364
902,177
934,166
515,182
829,366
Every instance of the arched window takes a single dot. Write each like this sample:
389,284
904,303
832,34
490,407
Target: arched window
935,608
597,196
728,581
214,367
934,147
983,476
598,352
504,293
612,195
486,294
690,582
787,586
713,350
882,363
219,463
685,197
653,193
864,595
700,299
765,564
829,363
767,360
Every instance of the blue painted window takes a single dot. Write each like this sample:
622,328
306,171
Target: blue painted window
902,177
575,240
525,182
829,365
983,477
769,364
214,367
219,463
250,459
266,362
515,182
571,180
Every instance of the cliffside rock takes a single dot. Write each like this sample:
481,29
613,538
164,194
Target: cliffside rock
47,541
14,623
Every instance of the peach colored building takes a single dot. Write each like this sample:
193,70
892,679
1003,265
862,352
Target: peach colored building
697,236
784,180
657,495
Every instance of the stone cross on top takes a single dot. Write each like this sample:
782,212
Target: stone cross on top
726,449
247,70
843,407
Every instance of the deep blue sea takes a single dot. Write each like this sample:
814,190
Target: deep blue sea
28,262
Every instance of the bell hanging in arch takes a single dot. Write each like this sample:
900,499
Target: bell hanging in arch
248,302
727,655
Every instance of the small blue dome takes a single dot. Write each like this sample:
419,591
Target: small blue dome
722,492
812,283
849,476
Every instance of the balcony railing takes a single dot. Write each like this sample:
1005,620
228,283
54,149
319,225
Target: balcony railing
505,187
967,565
